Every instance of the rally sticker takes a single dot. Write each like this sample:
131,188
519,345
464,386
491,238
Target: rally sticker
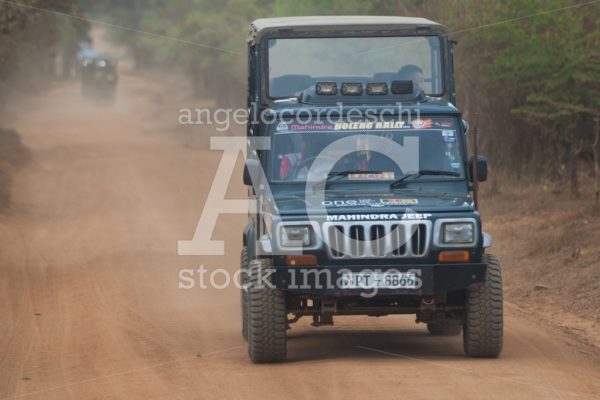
449,136
421,123
399,202
282,126
378,176
443,124
370,203
353,203
368,125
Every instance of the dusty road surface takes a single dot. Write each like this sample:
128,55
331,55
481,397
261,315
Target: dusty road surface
90,306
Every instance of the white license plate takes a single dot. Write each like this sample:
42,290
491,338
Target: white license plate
379,280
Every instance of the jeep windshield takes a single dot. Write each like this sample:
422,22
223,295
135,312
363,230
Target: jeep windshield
296,64
367,151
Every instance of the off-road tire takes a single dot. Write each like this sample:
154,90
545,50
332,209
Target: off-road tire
483,329
244,295
267,317
444,328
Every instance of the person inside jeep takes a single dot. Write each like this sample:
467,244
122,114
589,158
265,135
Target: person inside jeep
292,164
358,160
295,163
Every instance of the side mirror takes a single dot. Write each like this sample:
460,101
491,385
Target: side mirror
482,168
252,168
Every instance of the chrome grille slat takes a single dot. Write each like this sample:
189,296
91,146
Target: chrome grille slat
398,235
388,248
408,238
377,239
347,240
418,238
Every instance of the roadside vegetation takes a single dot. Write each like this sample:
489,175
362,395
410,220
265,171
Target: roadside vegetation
528,72
36,46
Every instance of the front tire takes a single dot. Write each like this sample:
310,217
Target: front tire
244,294
483,329
267,316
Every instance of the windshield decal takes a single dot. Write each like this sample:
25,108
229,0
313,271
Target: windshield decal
422,123
443,124
448,136
352,203
364,125
368,125
310,127
376,176
399,202
369,202
282,126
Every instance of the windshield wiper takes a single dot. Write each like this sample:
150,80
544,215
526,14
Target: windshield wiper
333,176
403,179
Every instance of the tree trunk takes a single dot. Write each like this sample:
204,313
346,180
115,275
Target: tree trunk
573,172
574,149
596,162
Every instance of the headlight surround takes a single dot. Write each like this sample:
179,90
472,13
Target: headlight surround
458,233
295,235
268,221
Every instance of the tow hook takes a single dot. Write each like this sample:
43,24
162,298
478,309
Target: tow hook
325,317
426,310
427,302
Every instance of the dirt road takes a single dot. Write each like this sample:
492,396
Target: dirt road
90,306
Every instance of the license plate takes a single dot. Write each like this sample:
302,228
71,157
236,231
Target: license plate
379,280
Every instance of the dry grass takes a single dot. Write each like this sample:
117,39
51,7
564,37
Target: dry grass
549,245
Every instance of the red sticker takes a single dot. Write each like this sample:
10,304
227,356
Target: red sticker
421,123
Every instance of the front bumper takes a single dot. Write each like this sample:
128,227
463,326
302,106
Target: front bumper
324,280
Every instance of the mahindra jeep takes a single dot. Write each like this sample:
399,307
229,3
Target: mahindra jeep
362,189
98,76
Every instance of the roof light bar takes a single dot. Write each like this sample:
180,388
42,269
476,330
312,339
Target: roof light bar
377,89
352,89
326,88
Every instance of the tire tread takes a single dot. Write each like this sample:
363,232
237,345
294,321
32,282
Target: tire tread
483,329
244,294
267,317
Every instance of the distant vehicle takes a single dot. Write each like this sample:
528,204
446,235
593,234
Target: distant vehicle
98,76
338,225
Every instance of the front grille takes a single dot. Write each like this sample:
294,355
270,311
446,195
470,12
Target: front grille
377,239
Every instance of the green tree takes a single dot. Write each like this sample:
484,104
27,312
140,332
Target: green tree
550,65
530,71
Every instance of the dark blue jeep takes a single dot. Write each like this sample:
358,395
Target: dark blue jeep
361,184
